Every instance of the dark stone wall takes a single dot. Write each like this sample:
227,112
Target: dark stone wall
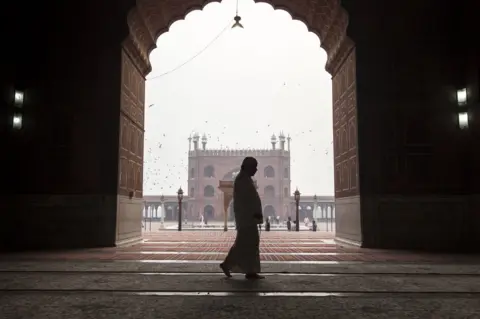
65,160
472,68
415,171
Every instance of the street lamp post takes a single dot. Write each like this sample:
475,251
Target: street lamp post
296,195
150,219
162,214
180,198
145,212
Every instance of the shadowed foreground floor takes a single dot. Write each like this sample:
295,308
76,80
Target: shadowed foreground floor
62,285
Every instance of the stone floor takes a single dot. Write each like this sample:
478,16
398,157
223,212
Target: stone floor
62,285
213,246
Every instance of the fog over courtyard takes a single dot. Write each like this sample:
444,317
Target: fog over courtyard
238,86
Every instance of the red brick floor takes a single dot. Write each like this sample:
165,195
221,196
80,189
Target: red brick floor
213,245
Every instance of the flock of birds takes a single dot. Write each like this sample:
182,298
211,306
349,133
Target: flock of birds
162,177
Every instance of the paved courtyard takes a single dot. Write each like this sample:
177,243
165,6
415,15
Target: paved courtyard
176,275
213,246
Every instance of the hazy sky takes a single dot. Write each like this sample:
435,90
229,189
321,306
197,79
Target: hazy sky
249,84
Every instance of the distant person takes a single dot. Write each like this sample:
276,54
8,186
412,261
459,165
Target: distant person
306,221
314,225
267,224
244,256
289,224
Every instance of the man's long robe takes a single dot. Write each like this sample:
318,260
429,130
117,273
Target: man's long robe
244,256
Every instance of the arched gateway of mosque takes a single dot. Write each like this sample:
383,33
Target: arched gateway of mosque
404,169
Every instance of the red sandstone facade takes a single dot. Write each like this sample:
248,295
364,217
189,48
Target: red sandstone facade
206,167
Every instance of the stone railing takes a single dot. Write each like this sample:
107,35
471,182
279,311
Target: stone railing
240,152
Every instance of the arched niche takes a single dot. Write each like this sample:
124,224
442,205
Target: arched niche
209,212
269,172
269,191
209,191
269,210
209,171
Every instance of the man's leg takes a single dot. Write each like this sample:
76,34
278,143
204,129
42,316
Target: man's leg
225,266
225,270
256,243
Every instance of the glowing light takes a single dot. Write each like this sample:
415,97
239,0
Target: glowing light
18,98
462,96
463,120
17,122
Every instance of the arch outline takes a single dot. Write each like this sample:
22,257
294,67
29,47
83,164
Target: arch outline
148,19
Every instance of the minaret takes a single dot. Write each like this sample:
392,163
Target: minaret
281,137
204,141
274,141
190,143
288,142
196,138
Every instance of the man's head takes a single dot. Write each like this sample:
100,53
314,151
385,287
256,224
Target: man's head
249,165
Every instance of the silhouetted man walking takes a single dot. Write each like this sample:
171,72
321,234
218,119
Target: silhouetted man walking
244,256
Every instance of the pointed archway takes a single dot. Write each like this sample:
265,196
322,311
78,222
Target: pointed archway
326,18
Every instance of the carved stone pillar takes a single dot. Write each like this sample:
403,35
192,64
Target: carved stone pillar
227,189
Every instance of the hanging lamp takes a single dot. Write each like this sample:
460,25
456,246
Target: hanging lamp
237,18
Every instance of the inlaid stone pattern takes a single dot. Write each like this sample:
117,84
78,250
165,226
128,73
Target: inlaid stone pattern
131,129
345,129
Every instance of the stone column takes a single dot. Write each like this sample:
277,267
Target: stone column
227,188
226,203
150,210
162,215
324,215
315,209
